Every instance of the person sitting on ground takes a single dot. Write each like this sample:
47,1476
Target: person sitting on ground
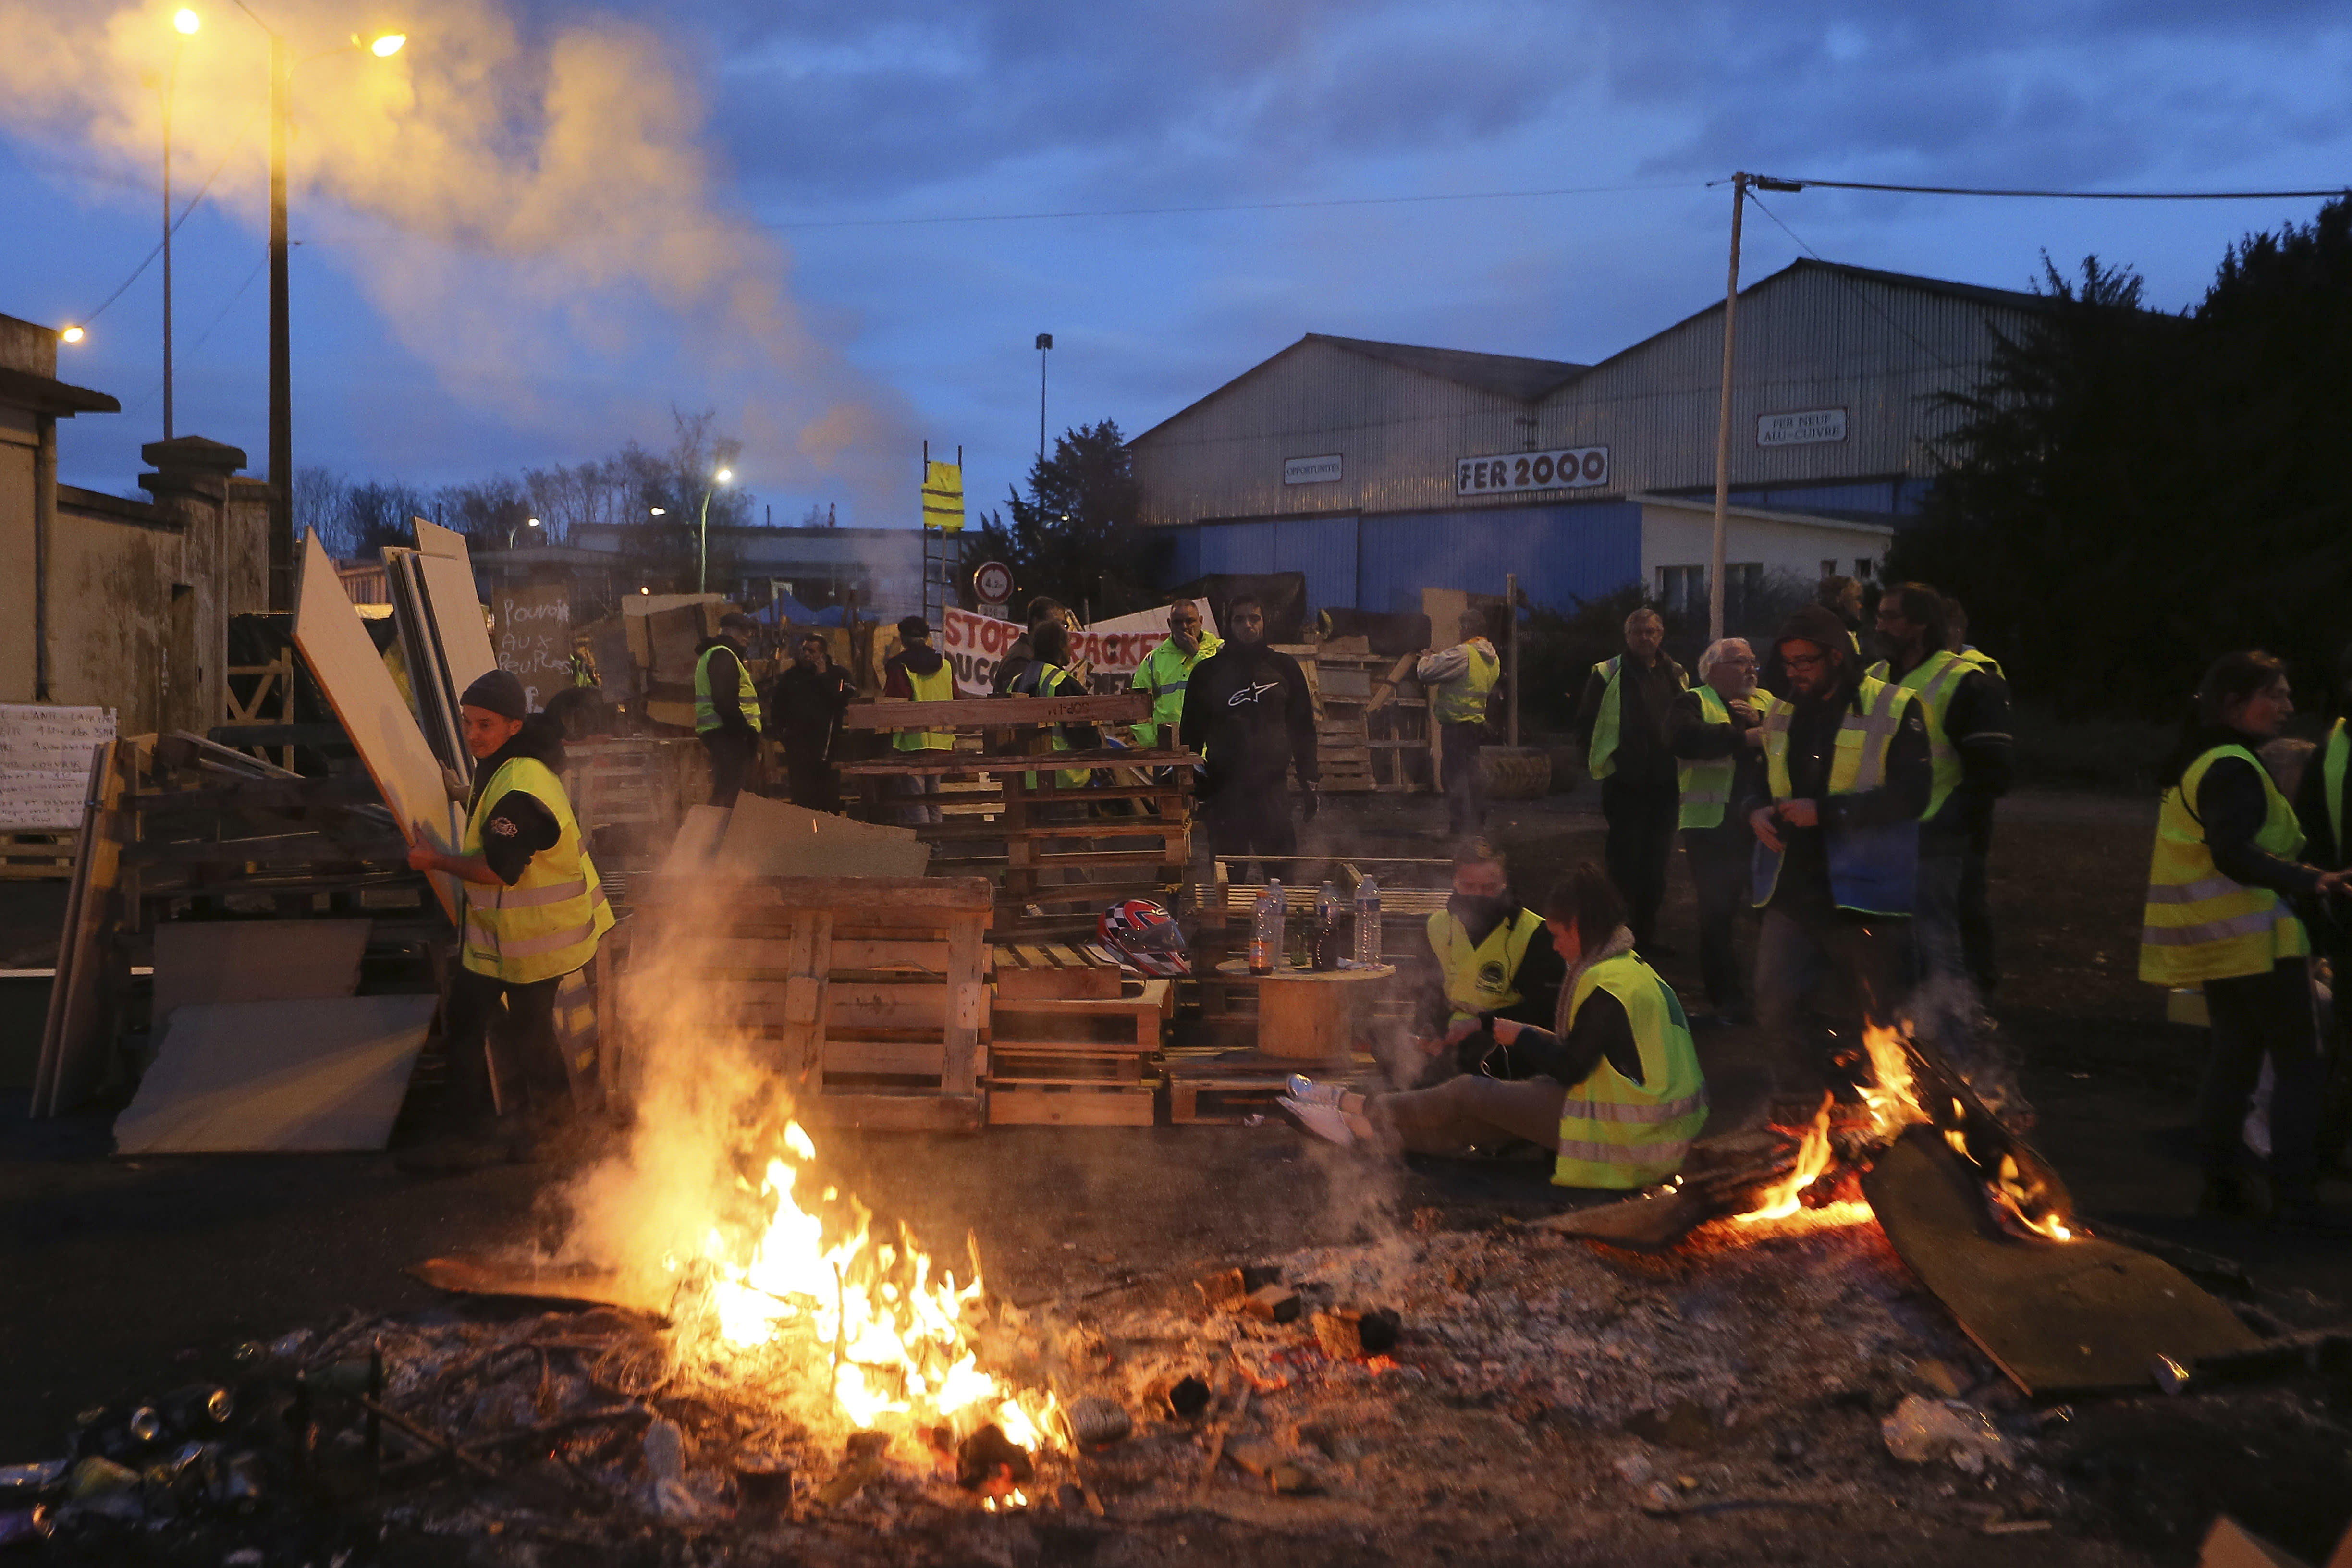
1495,959
1613,1088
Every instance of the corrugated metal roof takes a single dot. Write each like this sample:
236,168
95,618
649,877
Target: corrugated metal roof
1508,374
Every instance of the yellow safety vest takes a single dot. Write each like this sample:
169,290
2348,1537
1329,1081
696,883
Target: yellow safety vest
1479,975
547,924
706,717
1603,758
1983,661
1934,681
1166,675
1042,686
1707,782
1614,1133
1462,700
937,687
2198,925
1873,870
2332,769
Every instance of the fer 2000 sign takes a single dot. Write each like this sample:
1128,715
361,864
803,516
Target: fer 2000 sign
1572,468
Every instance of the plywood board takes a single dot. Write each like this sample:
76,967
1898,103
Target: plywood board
457,620
2055,1316
336,646
774,838
308,1076
254,960
538,1282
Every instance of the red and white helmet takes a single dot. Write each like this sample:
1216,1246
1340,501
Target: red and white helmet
1142,932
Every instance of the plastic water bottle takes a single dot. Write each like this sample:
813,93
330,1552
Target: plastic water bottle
1368,924
1329,912
1268,948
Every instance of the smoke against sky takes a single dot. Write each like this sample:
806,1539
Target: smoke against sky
541,230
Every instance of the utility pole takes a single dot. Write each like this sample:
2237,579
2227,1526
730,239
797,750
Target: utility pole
1045,342
281,353
1722,421
171,85
1511,605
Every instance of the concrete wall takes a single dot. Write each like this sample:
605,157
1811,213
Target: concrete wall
115,623
1684,535
20,444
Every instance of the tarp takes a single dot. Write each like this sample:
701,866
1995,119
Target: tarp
1282,594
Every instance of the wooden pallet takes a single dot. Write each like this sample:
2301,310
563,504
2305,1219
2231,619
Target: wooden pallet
1042,1103
1077,1060
1055,969
1210,1087
38,856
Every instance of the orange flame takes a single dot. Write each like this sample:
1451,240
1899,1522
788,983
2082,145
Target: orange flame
1890,1102
1813,1159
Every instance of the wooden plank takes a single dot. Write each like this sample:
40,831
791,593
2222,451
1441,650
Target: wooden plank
913,1058
968,1014
978,763
868,1006
882,1111
1070,1106
998,713
2057,1317
335,644
927,957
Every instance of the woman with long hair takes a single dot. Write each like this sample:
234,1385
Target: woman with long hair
2218,916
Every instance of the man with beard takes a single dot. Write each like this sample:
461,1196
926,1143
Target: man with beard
1495,959
1248,714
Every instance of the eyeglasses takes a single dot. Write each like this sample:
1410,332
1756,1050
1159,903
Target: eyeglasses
1804,660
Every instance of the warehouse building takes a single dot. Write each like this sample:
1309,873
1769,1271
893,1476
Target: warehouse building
1379,470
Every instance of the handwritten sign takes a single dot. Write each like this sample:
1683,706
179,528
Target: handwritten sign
534,639
1116,648
44,753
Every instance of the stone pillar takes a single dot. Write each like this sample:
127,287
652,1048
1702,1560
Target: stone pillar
193,485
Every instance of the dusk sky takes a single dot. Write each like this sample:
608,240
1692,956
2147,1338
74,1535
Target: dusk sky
528,236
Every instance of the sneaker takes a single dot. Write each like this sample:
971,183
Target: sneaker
1304,1090
1325,1121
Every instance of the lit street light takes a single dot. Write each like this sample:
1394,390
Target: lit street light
70,335
702,572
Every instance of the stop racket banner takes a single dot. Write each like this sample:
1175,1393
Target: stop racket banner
1113,650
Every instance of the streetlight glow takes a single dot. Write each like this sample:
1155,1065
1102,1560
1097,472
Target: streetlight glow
658,510
187,20
70,335
533,521
386,46
725,476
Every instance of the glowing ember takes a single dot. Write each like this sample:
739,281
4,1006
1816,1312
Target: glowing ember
889,1329
1893,1106
1813,1159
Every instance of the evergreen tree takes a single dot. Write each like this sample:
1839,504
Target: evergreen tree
1076,536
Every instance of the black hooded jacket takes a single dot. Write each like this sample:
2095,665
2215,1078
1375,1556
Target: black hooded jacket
518,825
1247,712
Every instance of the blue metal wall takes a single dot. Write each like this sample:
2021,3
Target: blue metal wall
1561,554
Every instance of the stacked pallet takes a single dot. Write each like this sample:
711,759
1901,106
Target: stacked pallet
865,996
1340,678
1073,1040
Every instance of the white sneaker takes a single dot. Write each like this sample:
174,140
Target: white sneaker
1306,1091
1325,1121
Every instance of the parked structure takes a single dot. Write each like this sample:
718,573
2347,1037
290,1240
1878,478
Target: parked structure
815,568
1379,470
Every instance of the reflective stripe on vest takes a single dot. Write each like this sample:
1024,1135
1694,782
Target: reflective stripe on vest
1601,760
1872,870
1707,782
1478,976
746,695
2332,770
1618,1134
2199,924
547,924
937,687
1166,675
1462,700
1934,679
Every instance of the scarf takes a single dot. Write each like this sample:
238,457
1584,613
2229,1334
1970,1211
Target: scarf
1620,942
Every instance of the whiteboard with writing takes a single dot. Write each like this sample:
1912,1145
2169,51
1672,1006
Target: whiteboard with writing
534,639
44,756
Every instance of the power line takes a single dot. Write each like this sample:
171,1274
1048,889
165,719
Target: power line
186,212
1847,282
1781,185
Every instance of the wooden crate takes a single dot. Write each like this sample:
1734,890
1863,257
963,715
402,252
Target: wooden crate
866,995
1226,1087
1034,1103
1055,969
38,856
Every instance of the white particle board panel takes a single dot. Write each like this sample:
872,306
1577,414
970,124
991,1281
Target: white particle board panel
336,646
303,1076
457,618
775,838
203,961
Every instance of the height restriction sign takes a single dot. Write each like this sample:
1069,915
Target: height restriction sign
992,582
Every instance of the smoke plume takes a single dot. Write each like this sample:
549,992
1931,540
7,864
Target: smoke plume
527,203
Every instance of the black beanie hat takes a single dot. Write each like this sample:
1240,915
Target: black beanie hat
1819,626
499,691
914,629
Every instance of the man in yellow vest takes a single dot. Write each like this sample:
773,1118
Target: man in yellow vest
2218,916
2323,806
1167,672
1622,716
1716,732
1613,1088
1458,681
534,911
727,706
1846,774
917,672
1495,959
1967,713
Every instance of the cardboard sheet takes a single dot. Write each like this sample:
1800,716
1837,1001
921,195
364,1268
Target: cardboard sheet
309,1076
774,838
336,646
199,962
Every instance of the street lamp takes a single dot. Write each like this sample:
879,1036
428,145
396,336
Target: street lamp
282,65
702,571
70,335
186,22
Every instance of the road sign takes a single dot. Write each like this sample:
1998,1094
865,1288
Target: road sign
992,582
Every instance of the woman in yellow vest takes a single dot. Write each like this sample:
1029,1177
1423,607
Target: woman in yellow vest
534,910
1048,673
2225,864
1613,1088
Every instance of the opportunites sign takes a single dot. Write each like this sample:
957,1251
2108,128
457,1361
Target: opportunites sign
1803,427
1311,470
1571,468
